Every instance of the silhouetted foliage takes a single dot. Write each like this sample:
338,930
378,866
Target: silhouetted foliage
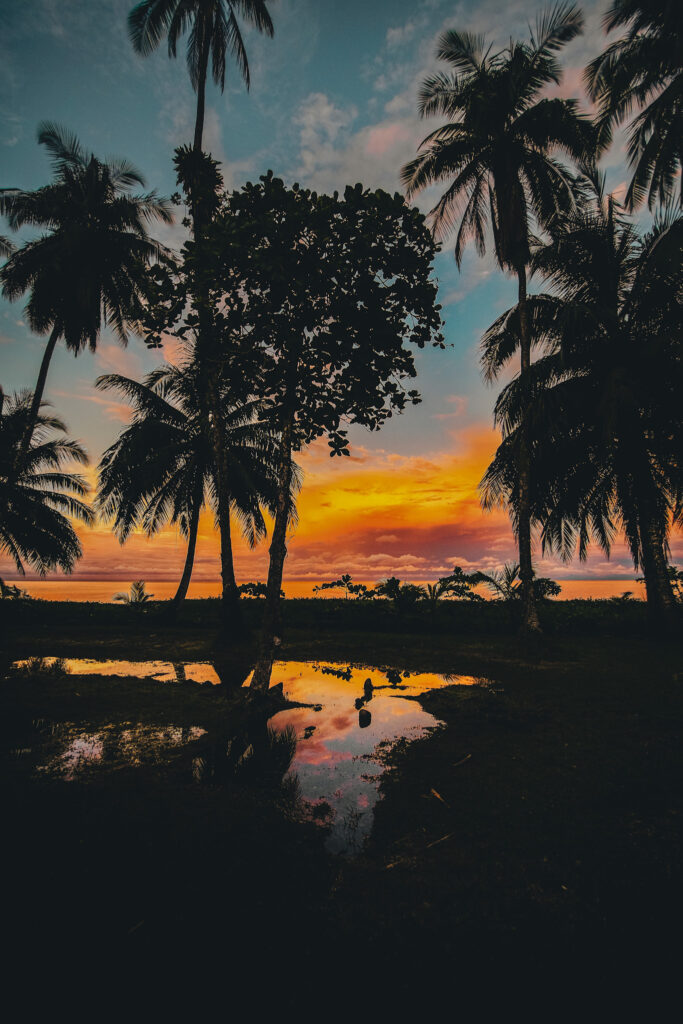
214,31
643,70
505,583
162,469
345,583
498,153
137,594
605,416
87,270
312,300
38,494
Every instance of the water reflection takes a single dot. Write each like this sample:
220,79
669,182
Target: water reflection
331,750
342,747
111,747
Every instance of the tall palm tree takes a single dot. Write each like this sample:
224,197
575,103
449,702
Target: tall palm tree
605,422
644,70
213,32
162,468
37,493
86,270
498,152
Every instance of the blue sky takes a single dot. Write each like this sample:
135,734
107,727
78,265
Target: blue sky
333,102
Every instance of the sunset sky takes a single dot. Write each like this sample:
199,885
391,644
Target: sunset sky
333,102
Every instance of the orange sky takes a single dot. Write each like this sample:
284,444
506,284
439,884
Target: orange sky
374,514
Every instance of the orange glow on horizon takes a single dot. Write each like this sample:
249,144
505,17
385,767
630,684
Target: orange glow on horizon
374,514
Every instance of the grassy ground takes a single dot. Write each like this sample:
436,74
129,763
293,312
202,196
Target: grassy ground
538,832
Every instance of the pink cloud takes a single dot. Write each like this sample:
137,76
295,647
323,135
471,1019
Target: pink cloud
384,137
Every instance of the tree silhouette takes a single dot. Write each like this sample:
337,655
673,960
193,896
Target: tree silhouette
498,152
214,31
161,468
137,594
605,415
86,271
644,70
315,298
38,495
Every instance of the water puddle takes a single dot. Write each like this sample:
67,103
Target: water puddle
339,742
161,671
68,752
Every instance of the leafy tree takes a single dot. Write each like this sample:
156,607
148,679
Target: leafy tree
161,468
314,298
605,420
498,151
214,31
345,583
459,584
38,495
644,70
257,590
86,270
404,595
136,595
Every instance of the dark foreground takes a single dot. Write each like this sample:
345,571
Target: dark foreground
532,845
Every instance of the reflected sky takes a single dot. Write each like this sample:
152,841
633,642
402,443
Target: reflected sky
338,761
354,715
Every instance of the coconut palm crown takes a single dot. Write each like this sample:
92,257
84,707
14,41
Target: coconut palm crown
499,151
38,493
161,468
87,269
213,32
643,72
604,422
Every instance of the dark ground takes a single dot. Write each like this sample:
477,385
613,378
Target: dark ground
531,845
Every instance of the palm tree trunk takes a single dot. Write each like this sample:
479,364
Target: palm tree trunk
38,392
181,592
230,595
530,622
201,90
661,602
278,553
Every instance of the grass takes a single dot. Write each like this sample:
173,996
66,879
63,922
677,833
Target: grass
541,824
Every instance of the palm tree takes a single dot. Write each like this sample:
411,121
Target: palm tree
504,583
644,70
213,32
605,422
162,468
87,270
498,152
37,493
138,594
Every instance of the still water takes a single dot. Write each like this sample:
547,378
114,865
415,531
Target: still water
354,716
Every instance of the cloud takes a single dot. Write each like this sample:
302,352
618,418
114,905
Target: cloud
459,405
401,34
113,358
